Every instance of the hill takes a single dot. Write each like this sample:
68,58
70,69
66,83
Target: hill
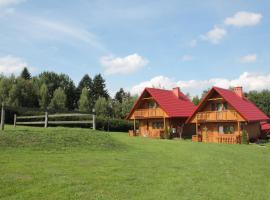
66,163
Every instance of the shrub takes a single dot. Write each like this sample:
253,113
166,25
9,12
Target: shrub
244,139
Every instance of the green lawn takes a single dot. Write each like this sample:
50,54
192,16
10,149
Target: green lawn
65,163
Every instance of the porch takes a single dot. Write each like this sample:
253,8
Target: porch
217,138
152,133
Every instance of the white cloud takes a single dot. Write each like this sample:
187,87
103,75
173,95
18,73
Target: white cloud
123,65
8,3
248,58
12,65
187,58
243,18
249,81
215,35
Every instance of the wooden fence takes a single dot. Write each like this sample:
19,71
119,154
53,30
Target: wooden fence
46,119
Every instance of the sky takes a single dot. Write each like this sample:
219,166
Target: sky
135,44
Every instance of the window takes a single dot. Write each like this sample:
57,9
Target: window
157,125
219,106
225,105
152,104
213,106
229,129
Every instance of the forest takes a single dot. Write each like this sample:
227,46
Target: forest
58,93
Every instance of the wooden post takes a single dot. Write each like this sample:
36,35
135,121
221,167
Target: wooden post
46,120
94,119
2,125
134,124
15,120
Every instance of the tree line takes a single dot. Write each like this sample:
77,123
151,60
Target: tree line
52,91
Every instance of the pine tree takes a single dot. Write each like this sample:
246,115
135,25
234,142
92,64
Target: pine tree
84,103
25,74
43,96
196,100
59,99
86,82
99,88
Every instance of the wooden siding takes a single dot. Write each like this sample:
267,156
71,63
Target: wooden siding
226,115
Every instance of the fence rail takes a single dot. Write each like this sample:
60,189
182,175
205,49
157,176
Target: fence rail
47,122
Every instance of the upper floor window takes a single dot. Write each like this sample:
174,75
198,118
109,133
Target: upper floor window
152,104
219,106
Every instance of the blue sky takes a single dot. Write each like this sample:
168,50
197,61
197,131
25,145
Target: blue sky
191,44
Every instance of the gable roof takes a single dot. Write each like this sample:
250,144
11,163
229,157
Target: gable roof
243,106
169,102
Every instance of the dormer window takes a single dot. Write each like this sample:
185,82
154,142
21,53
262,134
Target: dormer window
152,104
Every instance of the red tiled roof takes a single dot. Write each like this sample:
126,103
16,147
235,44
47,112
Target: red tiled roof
265,127
168,101
243,106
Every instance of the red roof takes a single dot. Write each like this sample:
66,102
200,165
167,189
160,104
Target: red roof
265,127
243,106
169,102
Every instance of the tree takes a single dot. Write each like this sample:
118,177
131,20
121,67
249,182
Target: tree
204,93
5,87
99,88
25,74
121,95
84,103
102,107
261,99
196,100
59,99
43,96
54,81
86,82
23,94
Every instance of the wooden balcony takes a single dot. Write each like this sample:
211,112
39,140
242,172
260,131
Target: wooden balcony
209,116
149,113
218,138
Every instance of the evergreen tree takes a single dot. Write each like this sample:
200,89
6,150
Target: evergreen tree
84,103
196,100
121,95
25,74
59,99
86,82
99,88
43,96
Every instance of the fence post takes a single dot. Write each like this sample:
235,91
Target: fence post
2,125
46,120
94,119
15,120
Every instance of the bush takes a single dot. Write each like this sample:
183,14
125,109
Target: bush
113,124
244,139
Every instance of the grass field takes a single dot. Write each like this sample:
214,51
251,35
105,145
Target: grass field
62,163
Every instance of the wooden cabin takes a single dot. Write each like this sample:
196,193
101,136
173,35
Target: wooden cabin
223,115
158,110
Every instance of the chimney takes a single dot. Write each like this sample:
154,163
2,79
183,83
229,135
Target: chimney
176,92
238,91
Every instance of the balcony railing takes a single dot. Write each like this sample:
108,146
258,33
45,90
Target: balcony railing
148,113
226,115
